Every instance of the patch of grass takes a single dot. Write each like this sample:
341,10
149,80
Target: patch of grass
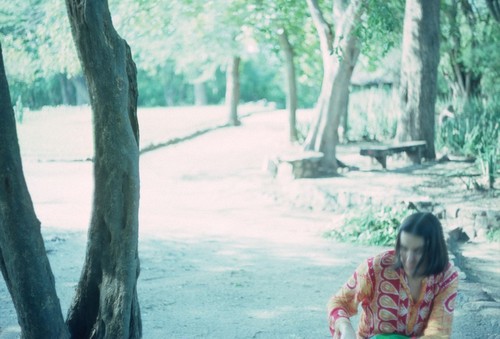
493,235
371,226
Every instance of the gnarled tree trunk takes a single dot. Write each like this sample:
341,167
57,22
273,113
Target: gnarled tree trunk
418,85
23,260
106,303
339,59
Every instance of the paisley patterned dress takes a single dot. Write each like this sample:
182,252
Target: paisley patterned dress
387,304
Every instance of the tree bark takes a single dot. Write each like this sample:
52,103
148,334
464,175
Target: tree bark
494,7
81,91
106,303
200,94
291,85
63,84
23,260
339,8
233,90
339,59
418,85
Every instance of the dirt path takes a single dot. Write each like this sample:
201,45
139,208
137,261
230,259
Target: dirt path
222,256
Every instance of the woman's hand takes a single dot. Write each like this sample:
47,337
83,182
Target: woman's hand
344,329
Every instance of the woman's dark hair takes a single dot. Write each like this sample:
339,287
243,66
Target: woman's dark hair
435,254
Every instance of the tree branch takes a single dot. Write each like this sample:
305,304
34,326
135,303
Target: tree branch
494,7
324,29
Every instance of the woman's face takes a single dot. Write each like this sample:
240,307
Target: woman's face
411,251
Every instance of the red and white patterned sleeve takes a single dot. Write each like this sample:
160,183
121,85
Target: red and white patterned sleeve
441,317
344,304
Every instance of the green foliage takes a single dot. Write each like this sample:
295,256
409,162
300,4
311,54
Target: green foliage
381,30
470,49
37,93
150,93
371,116
258,83
181,42
371,226
493,235
474,131
262,22
38,43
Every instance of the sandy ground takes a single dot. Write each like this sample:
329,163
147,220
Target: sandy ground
222,256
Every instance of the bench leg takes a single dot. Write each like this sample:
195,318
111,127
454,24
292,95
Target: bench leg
382,159
416,157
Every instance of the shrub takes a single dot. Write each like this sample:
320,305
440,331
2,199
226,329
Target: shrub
372,115
474,132
371,226
493,235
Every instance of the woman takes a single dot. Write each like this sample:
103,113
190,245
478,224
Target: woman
408,291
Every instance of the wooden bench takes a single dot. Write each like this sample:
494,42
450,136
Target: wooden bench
414,149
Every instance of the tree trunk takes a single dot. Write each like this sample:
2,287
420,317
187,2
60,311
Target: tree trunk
64,89
344,114
106,303
200,94
339,8
67,90
291,85
418,86
494,7
337,72
81,91
233,90
23,260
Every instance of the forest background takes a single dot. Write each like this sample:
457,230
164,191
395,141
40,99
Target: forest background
182,49
185,52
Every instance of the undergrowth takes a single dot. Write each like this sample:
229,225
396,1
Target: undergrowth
493,235
473,130
371,225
